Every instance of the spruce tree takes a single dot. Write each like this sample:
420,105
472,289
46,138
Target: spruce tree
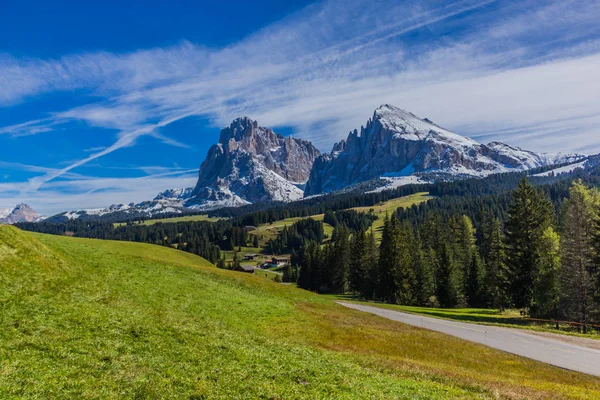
341,259
578,268
406,263
464,254
425,278
529,215
388,256
546,293
371,265
357,274
475,287
448,280
497,285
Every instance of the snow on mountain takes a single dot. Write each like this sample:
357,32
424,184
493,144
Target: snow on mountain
21,213
175,194
565,169
252,164
396,143
170,201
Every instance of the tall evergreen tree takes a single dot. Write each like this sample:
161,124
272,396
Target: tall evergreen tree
341,260
529,215
579,271
475,286
405,264
388,256
464,253
496,274
448,280
357,274
371,265
546,293
425,274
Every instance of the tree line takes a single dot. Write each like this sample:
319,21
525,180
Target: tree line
543,261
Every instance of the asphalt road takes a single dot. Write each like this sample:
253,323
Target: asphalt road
554,352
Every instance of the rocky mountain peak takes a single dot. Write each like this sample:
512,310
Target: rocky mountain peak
21,213
397,143
253,163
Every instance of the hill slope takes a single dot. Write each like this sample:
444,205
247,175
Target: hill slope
86,318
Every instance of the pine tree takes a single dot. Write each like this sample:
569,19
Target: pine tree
578,269
546,293
474,287
371,265
425,274
388,256
236,260
357,274
496,281
306,278
448,282
341,260
529,215
464,250
407,253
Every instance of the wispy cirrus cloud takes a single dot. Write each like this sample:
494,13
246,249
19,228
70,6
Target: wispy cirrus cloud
523,72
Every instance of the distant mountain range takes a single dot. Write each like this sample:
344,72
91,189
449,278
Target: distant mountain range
21,213
253,164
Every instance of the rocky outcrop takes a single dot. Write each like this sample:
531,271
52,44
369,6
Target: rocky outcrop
252,164
21,213
396,143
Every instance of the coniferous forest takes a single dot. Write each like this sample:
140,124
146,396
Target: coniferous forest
537,258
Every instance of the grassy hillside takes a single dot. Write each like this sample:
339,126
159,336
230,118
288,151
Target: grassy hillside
86,318
201,217
266,232
392,205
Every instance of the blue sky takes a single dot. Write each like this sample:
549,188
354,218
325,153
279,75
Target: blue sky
113,102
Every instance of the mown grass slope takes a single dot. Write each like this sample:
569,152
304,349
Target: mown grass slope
187,218
86,318
391,206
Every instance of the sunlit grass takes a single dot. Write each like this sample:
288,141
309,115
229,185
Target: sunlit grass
186,218
390,206
86,318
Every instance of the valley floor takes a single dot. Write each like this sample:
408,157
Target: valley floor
86,318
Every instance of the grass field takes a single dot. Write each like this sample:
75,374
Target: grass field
86,318
267,232
390,206
186,218
484,316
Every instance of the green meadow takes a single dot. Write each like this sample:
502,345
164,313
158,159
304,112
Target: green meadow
85,318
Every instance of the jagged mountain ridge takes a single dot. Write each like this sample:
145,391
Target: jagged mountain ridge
21,213
396,143
252,164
